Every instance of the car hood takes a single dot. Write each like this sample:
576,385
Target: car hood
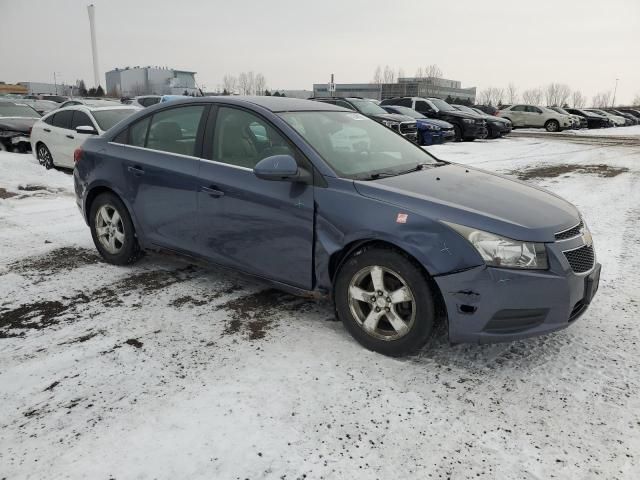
475,198
433,121
17,124
459,114
394,117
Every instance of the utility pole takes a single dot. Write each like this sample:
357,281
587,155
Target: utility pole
613,103
94,47
55,82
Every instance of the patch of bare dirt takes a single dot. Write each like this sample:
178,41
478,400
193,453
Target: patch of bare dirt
253,315
61,259
552,171
134,342
35,315
6,194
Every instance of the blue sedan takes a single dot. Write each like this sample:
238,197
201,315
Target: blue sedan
321,200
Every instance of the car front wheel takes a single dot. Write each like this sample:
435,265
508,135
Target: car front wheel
385,302
552,126
44,156
112,230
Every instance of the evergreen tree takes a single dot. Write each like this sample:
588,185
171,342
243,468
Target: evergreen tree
91,92
82,89
267,93
277,94
99,91
224,92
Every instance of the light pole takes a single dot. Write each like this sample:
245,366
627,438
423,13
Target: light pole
55,81
613,103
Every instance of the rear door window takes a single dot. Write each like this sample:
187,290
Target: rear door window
63,119
422,106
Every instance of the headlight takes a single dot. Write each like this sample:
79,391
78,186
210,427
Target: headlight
468,120
498,251
434,128
390,123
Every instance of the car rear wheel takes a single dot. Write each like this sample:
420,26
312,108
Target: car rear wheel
112,230
384,301
44,156
552,126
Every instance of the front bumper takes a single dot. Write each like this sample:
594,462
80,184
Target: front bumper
486,304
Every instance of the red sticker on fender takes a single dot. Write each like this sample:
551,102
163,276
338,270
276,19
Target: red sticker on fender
402,218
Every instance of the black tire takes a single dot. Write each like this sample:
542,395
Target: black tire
458,133
399,273
44,156
552,126
128,249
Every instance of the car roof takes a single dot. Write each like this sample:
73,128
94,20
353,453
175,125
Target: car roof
91,108
273,104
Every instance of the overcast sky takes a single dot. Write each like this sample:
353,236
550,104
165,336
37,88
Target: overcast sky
584,43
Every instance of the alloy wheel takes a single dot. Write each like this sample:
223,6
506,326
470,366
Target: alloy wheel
110,229
44,157
382,303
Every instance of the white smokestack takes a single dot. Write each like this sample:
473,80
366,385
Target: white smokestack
94,48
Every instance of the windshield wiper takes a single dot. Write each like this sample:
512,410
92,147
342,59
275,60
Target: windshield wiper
418,167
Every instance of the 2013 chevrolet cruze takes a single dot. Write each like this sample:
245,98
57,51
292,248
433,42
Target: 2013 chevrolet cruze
320,199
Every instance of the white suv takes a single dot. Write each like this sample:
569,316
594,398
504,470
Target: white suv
537,117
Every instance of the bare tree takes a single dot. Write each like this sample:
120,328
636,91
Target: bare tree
563,92
512,94
243,84
577,99
557,94
400,73
532,96
260,84
388,75
432,71
602,99
420,73
229,83
377,76
491,96
636,100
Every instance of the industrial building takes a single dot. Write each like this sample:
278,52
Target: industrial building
128,82
405,87
42,88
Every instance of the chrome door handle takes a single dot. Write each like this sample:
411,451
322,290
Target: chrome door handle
137,171
70,136
47,129
212,192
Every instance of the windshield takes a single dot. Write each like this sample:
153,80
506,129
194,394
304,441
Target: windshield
355,146
409,112
464,108
11,110
108,118
441,104
480,112
367,107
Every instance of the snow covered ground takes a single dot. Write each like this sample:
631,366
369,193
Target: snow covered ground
633,131
168,370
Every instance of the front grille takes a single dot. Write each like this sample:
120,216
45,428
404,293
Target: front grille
581,259
408,127
481,123
570,233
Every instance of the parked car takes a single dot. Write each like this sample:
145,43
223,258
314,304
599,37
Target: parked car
535,116
430,130
40,106
488,109
505,132
617,120
421,238
90,102
142,101
16,121
631,119
55,137
496,126
594,120
578,121
466,126
402,124
55,98
633,111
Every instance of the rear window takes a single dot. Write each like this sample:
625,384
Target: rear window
108,118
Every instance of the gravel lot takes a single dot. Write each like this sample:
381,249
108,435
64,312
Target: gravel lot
171,370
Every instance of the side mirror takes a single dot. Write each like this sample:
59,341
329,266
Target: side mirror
86,130
280,167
